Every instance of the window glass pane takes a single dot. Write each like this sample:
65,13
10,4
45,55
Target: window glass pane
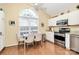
23,22
28,22
33,22
23,28
33,27
24,33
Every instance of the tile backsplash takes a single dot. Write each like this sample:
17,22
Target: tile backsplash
72,28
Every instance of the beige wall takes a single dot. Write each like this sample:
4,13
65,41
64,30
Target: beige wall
12,12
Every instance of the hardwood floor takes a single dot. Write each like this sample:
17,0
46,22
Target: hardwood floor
46,49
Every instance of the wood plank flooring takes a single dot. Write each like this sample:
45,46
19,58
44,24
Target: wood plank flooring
46,49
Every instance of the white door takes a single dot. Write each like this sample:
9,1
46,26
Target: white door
1,31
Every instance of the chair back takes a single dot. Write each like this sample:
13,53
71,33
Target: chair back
30,37
38,37
19,38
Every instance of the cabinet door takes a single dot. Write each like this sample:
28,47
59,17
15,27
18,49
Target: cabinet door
72,41
50,23
67,41
75,43
54,21
50,36
65,16
73,18
61,17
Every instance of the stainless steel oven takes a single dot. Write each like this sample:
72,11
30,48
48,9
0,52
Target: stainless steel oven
59,39
60,36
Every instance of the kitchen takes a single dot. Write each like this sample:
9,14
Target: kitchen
59,28
65,30
39,29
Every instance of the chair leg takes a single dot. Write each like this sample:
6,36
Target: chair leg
24,48
24,45
18,44
27,45
33,44
41,43
36,43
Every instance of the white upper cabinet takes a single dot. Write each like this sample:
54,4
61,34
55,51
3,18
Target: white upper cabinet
73,18
52,22
65,16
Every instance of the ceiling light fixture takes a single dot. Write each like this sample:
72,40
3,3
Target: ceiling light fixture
35,3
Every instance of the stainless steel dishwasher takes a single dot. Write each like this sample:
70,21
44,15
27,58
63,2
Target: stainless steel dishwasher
74,42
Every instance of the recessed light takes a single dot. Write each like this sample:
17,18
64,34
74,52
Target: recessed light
35,3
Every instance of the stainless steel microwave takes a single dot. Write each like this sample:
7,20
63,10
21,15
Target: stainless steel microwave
62,22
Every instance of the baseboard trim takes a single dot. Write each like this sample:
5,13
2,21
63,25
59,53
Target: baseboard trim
11,45
74,51
50,41
2,50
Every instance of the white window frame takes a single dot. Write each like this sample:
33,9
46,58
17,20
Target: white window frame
28,19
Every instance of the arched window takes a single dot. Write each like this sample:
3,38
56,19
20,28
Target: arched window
28,22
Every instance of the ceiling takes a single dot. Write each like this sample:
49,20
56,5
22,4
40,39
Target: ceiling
53,9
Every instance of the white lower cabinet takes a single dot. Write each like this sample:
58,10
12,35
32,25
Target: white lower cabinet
50,36
67,41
